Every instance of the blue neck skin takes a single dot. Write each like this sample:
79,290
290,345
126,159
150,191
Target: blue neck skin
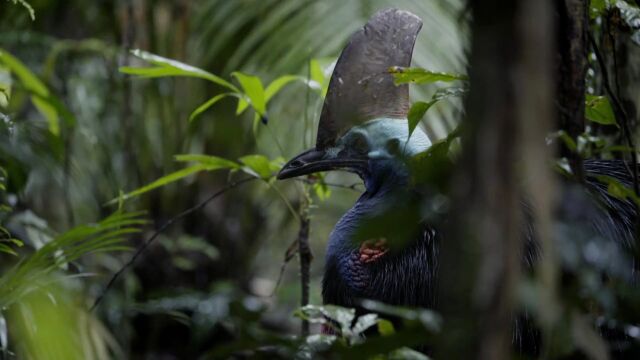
385,178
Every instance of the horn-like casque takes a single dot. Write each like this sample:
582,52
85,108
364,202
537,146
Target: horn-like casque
361,87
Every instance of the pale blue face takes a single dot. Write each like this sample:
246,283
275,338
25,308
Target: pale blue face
381,139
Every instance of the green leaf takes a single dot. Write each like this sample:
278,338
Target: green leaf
5,86
202,108
276,85
254,91
617,189
167,179
403,75
168,67
598,109
258,166
318,314
385,327
210,161
205,163
7,250
597,8
419,108
416,113
49,106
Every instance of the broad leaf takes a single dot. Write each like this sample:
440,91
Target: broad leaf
254,91
404,75
598,109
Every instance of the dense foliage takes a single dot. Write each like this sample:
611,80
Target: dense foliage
139,212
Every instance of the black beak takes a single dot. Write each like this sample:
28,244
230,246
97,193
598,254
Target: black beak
313,161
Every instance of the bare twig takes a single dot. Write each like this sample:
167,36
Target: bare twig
166,225
292,250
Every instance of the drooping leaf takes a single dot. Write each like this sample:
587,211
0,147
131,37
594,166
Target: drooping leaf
419,108
168,67
204,107
404,75
106,235
28,7
276,85
254,91
49,106
210,161
598,109
167,179
417,111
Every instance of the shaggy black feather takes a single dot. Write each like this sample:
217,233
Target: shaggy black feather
410,277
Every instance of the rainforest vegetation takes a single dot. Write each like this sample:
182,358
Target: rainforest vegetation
141,216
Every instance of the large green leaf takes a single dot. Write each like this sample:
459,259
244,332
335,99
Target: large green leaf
168,67
404,75
598,109
254,93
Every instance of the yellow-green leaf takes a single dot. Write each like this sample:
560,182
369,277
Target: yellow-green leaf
254,91
403,75
598,109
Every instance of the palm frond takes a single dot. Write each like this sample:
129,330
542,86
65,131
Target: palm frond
33,271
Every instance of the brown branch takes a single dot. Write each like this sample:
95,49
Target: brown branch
305,263
165,226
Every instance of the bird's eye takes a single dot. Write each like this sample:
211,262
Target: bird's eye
360,144
393,146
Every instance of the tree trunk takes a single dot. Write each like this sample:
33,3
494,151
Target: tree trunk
511,89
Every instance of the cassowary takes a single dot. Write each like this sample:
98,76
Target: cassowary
363,129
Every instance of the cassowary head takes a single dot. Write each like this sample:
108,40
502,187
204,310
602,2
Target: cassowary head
364,116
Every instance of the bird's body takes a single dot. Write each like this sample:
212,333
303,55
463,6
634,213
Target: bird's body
364,129
404,277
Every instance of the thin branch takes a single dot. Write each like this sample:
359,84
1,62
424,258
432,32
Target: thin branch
166,225
292,250
621,114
